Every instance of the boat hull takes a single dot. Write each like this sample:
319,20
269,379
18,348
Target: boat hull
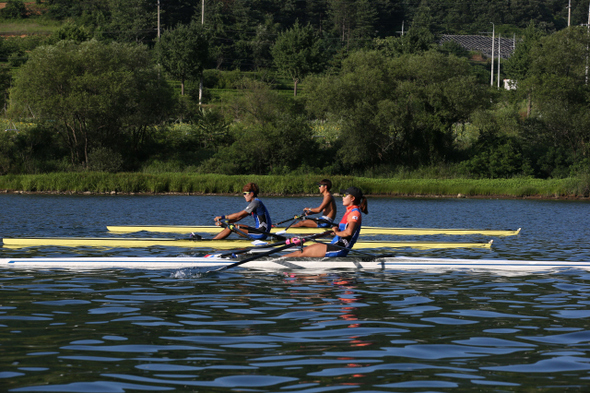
293,264
366,230
107,242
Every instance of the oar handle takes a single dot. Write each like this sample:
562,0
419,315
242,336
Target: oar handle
294,221
274,235
289,219
235,228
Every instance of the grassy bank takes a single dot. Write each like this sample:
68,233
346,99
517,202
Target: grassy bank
98,182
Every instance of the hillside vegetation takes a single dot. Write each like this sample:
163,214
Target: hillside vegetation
309,87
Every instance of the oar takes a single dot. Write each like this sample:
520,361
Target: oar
294,221
248,249
274,235
318,220
236,229
289,219
286,244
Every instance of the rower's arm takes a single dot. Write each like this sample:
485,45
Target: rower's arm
233,217
349,228
325,202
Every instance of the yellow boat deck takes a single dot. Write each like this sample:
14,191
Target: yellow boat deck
366,230
113,242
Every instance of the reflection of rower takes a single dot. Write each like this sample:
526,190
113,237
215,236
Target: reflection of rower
327,208
346,233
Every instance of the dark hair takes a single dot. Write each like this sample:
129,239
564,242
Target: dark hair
251,187
326,182
363,205
359,198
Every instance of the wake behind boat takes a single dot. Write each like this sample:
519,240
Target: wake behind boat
294,264
366,230
226,244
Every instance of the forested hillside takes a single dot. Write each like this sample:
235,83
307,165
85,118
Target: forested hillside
349,87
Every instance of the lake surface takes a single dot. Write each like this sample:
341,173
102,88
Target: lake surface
123,330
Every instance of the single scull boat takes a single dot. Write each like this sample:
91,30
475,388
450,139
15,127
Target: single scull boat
366,230
111,242
294,264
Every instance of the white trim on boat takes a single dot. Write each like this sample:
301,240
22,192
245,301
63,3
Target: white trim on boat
294,264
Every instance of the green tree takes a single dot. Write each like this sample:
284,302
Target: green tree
14,9
398,111
519,63
365,22
297,52
262,43
4,85
342,17
183,52
95,95
269,135
72,32
560,84
419,38
132,20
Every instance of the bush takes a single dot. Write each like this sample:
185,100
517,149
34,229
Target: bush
103,159
17,59
14,9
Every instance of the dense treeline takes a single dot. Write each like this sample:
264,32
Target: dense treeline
293,86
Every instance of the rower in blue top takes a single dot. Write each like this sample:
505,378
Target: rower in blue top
256,209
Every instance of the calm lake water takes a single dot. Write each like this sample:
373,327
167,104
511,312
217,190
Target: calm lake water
384,331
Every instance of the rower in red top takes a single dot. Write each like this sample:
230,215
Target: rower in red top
327,208
346,233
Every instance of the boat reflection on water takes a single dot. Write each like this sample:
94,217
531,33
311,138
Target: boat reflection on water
343,290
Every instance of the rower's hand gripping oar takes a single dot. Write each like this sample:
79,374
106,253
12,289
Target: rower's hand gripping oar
234,228
295,241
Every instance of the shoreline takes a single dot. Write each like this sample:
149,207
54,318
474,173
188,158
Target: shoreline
416,196
102,183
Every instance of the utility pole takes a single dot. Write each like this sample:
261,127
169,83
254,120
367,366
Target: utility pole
493,39
588,28
513,42
402,30
569,13
201,81
158,35
158,20
499,57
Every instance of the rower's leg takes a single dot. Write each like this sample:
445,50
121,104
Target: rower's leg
223,234
315,250
305,224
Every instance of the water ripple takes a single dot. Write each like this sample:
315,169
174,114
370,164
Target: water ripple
118,330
